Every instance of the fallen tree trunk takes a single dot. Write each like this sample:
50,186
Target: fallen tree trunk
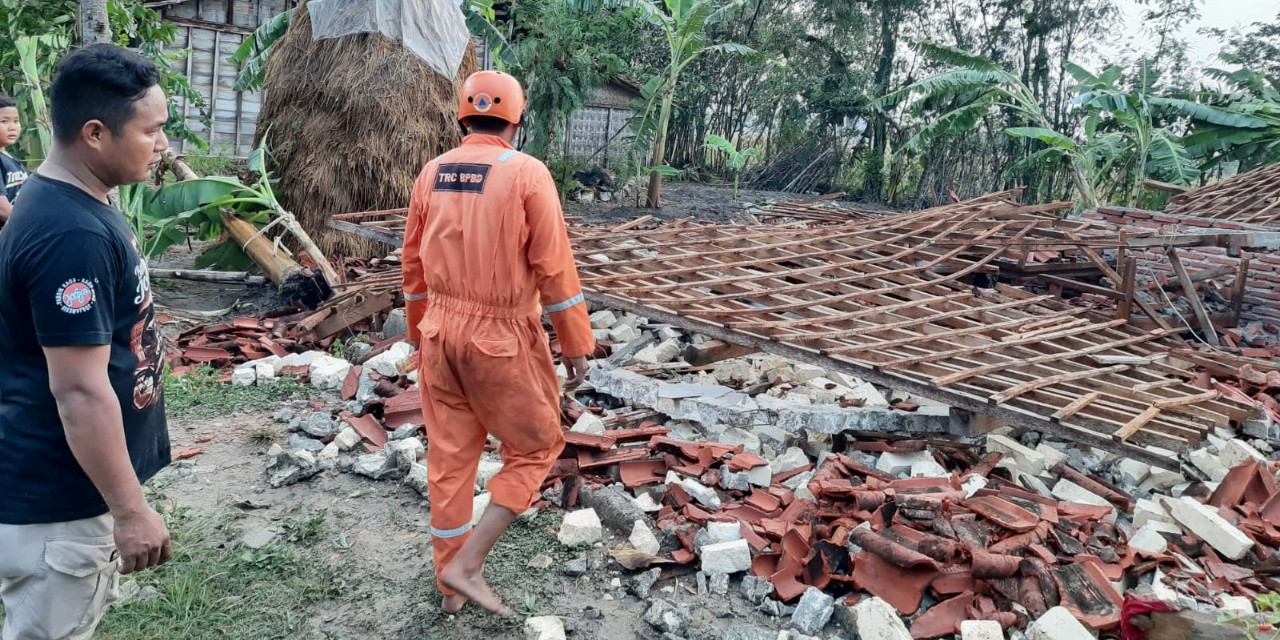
294,281
217,277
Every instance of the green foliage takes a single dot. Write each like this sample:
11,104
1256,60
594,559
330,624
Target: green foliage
214,589
192,209
735,160
251,56
46,30
199,395
137,26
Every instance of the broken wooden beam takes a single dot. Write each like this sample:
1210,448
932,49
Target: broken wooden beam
1189,292
217,277
295,282
713,351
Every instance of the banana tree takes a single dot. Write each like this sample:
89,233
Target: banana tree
36,55
685,26
251,55
736,160
971,90
1252,141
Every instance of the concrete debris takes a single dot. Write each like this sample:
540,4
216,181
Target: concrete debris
381,465
877,620
581,527
643,583
1237,605
1147,511
643,540
705,495
1133,471
328,373
347,439
416,479
613,507
792,458
575,568
1052,455
1209,464
755,589
244,377
589,423
666,617
1236,452
1149,539
647,504
981,630
544,628
1028,460
403,433
1068,491
319,425
726,557
603,319
747,633
1205,523
813,612
901,464
291,467
718,584
736,481
724,531
1058,624
387,363
298,442
487,469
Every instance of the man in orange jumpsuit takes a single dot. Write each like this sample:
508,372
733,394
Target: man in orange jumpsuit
486,252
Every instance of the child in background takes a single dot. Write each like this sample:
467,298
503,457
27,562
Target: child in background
11,170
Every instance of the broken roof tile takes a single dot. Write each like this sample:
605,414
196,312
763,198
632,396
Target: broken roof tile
1004,513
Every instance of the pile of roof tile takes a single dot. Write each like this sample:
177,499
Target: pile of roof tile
966,544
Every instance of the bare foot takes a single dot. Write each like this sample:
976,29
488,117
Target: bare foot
454,603
473,587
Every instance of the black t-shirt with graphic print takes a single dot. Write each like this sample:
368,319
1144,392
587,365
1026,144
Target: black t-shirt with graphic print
14,174
71,274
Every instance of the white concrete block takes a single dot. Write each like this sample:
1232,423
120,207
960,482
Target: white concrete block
244,377
329,373
603,319
623,334
1160,590
589,423
878,620
643,540
1051,455
1068,491
646,503
726,557
929,469
581,527
792,458
981,630
1204,522
1058,624
487,469
1149,539
1029,461
1147,511
972,485
1237,605
706,496
1238,451
544,628
1209,464
734,437
724,531
1161,480
1133,471
661,353
347,439
902,463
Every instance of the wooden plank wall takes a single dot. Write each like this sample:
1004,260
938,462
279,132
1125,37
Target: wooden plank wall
212,30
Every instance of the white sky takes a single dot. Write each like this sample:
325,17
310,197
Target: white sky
1222,14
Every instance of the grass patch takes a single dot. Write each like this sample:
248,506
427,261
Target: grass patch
200,395
528,591
213,588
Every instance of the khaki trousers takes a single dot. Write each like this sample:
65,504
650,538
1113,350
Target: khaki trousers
56,579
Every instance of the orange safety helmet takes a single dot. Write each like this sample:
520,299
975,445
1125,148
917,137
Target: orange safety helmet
491,93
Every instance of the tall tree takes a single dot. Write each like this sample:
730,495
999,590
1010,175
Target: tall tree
95,26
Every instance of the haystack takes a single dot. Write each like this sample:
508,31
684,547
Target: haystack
350,122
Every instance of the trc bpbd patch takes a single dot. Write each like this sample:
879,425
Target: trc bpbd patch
462,178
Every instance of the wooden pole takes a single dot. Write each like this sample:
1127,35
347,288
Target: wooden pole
279,267
218,277
1126,287
1238,290
1193,298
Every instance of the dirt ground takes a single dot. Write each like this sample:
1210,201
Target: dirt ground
713,203
375,548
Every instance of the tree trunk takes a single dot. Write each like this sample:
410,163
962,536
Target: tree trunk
660,149
94,25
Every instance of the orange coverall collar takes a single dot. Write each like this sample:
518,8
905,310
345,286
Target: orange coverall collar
485,139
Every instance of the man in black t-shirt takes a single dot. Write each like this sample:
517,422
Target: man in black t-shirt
12,172
82,420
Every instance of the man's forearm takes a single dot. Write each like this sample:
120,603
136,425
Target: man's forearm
6,208
94,429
